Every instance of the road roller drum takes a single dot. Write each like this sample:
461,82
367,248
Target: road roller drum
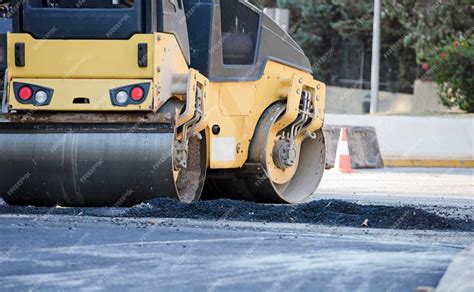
185,100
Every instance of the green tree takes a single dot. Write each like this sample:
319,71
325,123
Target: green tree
312,28
452,67
431,23
354,20
433,27
323,29
356,24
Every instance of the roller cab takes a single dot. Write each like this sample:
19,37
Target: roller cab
140,102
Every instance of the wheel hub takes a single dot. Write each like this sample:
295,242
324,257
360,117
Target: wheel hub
285,154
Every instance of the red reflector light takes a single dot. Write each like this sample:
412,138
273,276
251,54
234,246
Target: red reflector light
137,93
25,93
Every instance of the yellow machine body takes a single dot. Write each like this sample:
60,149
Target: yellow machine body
90,68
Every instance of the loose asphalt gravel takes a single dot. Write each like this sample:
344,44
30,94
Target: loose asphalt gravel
326,212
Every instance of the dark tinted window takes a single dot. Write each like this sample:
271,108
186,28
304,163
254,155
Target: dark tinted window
239,32
82,3
82,19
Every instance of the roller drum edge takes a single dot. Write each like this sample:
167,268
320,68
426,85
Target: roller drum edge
85,164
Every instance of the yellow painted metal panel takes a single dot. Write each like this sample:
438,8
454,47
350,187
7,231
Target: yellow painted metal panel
169,63
275,85
69,59
96,90
237,100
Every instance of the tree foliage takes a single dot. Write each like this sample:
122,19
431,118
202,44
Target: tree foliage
452,67
433,26
413,31
354,20
323,28
431,23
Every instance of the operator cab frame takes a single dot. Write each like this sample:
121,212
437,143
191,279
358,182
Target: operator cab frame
232,41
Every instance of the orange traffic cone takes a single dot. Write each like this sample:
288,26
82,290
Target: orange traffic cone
343,158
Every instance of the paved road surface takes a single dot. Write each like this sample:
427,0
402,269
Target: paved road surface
435,183
55,252
64,252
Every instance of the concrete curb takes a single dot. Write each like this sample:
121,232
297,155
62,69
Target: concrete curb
418,141
460,274
429,163
363,146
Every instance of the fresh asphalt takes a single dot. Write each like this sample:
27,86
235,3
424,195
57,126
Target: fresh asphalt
54,252
53,249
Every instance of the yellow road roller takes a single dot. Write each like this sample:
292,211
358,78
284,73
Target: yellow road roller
116,102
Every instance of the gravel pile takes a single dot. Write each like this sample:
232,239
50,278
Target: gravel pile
327,212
